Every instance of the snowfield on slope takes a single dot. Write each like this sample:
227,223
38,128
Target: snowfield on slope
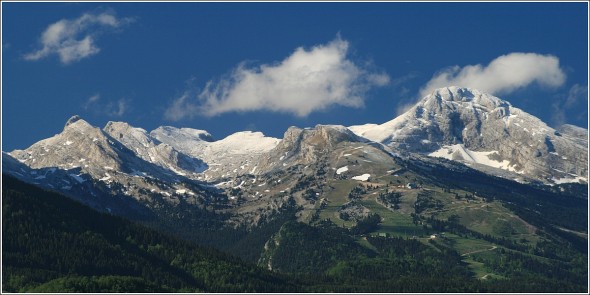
363,177
452,152
341,170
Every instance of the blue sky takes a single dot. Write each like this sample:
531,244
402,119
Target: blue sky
228,67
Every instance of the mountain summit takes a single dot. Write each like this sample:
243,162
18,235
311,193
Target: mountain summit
484,131
170,166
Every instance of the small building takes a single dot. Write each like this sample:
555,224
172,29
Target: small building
411,185
434,236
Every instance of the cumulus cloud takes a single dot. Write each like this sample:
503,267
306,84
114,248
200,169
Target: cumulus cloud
503,75
75,39
304,82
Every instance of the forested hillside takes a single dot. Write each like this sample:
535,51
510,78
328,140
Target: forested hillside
54,244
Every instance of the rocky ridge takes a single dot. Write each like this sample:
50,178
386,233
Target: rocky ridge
251,176
477,128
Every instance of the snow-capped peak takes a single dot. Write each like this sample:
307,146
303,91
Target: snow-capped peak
183,134
481,122
246,142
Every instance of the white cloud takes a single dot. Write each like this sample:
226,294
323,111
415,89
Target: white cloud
117,108
74,39
564,103
576,93
110,108
503,75
181,108
304,82
91,101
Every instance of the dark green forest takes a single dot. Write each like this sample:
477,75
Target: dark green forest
52,243
55,244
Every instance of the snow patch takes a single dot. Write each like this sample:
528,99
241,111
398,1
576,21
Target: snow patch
458,152
77,178
363,177
240,185
176,171
576,179
223,183
341,170
107,177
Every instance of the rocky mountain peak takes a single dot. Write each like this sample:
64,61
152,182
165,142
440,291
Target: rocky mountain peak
129,136
321,136
457,98
72,120
485,130
77,123
335,134
305,146
183,134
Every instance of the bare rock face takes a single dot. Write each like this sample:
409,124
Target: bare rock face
482,125
80,145
305,146
574,133
152,150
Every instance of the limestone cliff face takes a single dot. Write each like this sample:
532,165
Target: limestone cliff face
305,146
79,145
481,122
152,150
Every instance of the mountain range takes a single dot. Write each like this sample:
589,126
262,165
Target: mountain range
460,124
460,160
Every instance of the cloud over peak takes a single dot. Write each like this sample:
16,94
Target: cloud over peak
503,75
75,39
304,82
